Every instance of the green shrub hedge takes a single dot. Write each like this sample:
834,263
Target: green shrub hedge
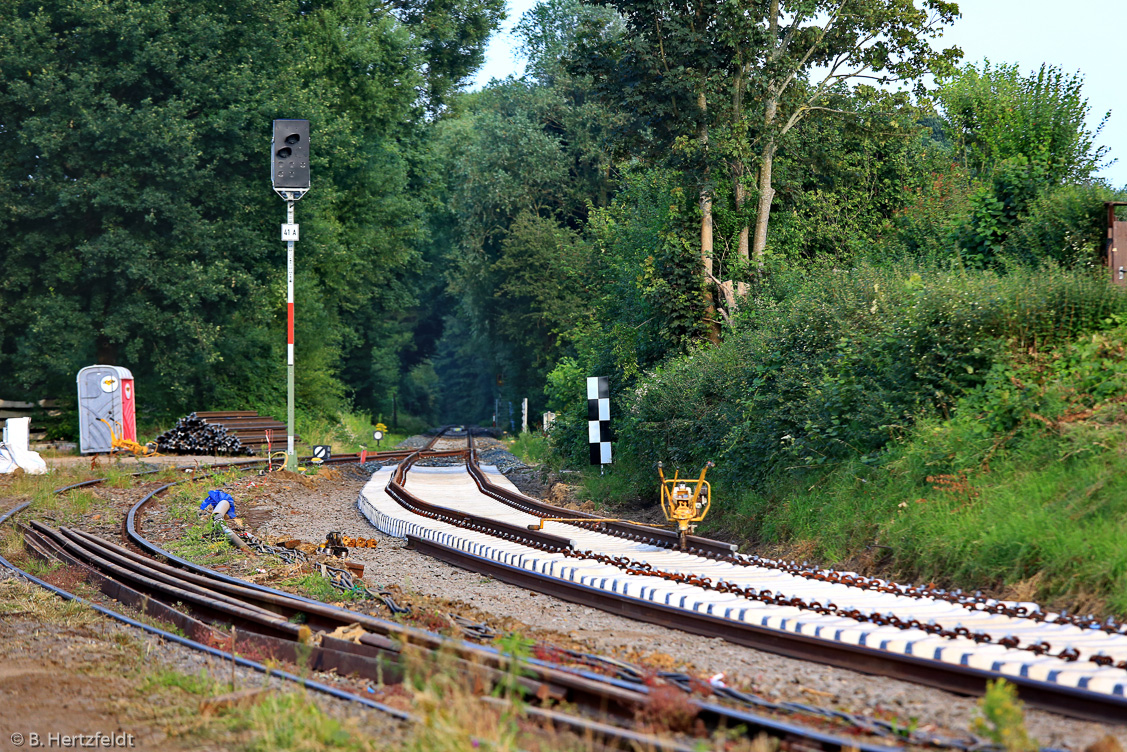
829,366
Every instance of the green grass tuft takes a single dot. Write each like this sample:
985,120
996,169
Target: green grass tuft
531,448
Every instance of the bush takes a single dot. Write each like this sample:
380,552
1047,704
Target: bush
1016,219
842,364
1066,225
1024,488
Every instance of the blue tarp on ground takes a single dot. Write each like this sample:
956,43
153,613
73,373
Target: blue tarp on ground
216,496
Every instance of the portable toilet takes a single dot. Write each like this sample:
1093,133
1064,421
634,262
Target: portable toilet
105,400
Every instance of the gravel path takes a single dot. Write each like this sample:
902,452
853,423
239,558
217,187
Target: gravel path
308,516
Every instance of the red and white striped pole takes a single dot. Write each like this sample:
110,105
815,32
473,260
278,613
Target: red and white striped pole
291,458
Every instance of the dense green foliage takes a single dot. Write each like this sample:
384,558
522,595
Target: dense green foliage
907,256
526,160
137,212
1022,136
1024,483
995,113
924,317
831,367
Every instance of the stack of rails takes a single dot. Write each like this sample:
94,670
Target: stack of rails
222,432
1078,670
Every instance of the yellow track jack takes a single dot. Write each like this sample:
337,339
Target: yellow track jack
683,505
139,450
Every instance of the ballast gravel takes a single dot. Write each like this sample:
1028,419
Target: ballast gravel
309,513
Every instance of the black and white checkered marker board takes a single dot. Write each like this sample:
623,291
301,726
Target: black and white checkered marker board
322,452
598,419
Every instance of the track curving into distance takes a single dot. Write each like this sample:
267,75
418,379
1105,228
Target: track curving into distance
473,517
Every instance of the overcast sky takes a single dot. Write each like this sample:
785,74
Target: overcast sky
1081,35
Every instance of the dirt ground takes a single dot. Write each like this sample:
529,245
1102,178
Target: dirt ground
66,670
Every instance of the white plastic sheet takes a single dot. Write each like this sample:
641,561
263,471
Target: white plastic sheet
14,452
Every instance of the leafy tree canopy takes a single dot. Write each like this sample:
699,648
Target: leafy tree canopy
136,207
994,113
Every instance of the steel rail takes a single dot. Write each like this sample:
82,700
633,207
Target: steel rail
196,645
377,661
503,530
587,728
726,552
718,714
715,550
695,544
965,680
155,581
346,658
324,657
913,678
621,701
58,540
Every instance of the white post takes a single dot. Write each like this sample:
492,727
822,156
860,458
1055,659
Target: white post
291,457
524,416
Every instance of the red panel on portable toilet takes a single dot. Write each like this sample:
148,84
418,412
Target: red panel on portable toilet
128,409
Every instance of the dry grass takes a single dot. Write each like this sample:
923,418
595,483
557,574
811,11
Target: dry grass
20,598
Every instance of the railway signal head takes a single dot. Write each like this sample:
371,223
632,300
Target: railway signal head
290,155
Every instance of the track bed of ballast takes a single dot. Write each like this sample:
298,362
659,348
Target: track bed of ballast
922,651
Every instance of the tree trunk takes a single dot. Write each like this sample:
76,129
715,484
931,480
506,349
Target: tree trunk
706,229
763,211
738,169
766,192
741,197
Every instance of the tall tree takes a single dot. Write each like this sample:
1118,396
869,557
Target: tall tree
526,161
136,212
995,113
680,70
813,47
1020,137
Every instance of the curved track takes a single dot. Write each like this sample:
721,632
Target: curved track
472,517
260,616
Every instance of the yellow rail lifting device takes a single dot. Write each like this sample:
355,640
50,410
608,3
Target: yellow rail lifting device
684,505
139,450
